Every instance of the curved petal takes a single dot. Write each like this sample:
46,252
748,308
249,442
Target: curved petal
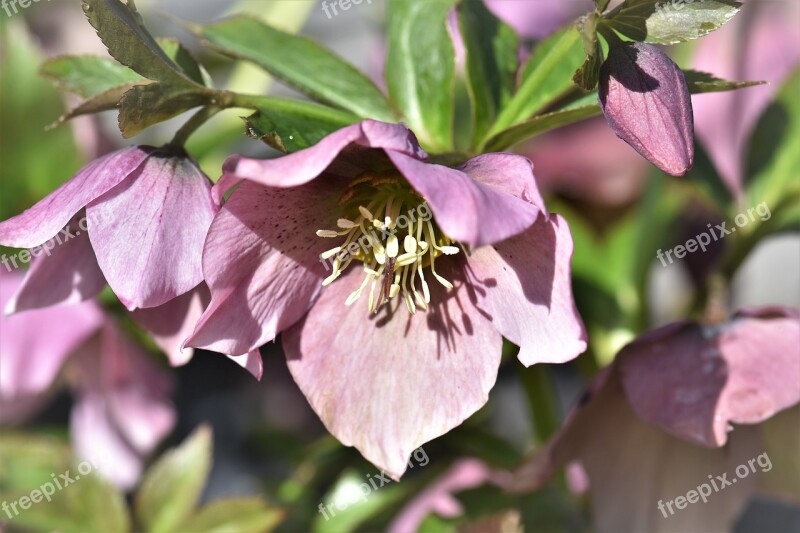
251,361
467,210
171,323
694,381
35,344
276,274
303,166
65,271
388,383
45,219
148,232
510,173
525,285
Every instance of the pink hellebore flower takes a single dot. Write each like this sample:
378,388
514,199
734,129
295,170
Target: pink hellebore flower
147,212
398,339
660,422
122,409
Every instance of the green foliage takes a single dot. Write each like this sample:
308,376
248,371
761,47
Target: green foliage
420,67
671,21
491,48
299,62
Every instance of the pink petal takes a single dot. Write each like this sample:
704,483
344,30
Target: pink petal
467,210
634,467
695,381
251,362
388,383
45,219
536,20
303,166
438,497
276,274
171,323
524,285
35,344
123,411
64,272
510,173
148,233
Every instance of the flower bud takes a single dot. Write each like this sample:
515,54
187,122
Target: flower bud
645,99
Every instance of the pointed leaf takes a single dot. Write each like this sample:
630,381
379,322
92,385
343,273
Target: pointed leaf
183,58
290,130
670,22
87,76
420,68
144,105
299,62
172,486
587,76
492,62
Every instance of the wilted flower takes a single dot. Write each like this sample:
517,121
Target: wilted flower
122,409
398,340
147,212
646,101
663,414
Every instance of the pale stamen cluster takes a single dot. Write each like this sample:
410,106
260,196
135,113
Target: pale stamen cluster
394,256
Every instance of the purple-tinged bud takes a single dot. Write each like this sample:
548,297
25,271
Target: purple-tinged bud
645,99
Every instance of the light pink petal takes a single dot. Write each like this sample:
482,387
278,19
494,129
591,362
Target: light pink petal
303,166
634,467
388,383
251,362
64,272
510,173
171,323
45,219
261,262
535,20
34,344
148,232
524,285
123,410
467,210
438,497
696,381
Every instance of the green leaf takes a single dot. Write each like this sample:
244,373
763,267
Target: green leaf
587,76
540,124
703,82
774,152
171,487
30,463
245,515
299,62
87,76
292,129
671,21
546,76
420,68
144,105
183,58
601,5
121,29
492,62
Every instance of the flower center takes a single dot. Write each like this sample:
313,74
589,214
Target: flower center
388,228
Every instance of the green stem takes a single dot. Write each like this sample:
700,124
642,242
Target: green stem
197,120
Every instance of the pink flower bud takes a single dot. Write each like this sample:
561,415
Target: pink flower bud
645,99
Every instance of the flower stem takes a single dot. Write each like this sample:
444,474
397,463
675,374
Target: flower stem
197,120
